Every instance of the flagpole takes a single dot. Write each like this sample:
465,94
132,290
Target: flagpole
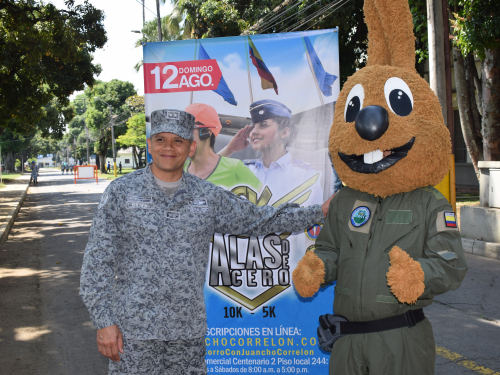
191,96
248,71
312,71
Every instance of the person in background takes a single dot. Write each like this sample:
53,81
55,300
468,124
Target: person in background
109,167
205,163
120,167
271,133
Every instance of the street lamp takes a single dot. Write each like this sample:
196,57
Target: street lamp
112,133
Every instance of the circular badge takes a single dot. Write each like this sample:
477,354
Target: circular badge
360,216
311,248
312,232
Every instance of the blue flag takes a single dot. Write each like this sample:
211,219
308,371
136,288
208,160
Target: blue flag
325,80
222,89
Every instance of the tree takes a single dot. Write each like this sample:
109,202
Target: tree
170,31
135,137
477,32
98,115
218,18
46,52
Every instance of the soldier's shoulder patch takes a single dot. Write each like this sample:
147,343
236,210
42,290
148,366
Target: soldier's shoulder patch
431,189
446,220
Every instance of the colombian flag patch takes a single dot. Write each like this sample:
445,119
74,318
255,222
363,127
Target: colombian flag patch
450,219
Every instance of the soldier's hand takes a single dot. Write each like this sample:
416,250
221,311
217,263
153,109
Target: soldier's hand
326,204
110,342
238,143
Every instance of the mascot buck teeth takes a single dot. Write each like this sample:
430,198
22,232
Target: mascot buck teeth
390,239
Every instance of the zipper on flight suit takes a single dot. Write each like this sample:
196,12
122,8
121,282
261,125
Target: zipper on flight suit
379,204
401,238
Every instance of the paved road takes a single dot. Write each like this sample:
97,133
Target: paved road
44,326
45,329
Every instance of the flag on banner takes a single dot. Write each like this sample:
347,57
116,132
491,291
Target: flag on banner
267,79
222,89
325,80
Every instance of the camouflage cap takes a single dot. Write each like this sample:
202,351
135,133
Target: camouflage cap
173,121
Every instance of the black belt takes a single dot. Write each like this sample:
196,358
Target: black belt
333,327
408,319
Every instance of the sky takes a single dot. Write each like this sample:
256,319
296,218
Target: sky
119,56
284,55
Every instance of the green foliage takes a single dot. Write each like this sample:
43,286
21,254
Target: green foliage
477,26
18,163
218,18
136,103
46,52
419,13
136,132
98,115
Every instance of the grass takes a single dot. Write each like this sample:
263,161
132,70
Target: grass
9,177
111,175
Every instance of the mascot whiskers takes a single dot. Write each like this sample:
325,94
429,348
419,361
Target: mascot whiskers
390,239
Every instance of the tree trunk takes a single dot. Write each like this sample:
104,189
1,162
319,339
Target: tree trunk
140,157
490,78
134,154
9,162
464,107
471,73
103,148
102,162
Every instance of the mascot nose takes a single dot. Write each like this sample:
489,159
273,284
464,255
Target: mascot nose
372,122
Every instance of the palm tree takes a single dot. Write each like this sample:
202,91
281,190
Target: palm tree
173,27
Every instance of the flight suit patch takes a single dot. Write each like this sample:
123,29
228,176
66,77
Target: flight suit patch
398,217
446,220
361,216
448,255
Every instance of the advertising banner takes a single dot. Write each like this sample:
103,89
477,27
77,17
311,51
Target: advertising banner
263,108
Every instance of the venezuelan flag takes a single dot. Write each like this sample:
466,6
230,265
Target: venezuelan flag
266,78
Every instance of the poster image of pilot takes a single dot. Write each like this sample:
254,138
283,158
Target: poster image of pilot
263,107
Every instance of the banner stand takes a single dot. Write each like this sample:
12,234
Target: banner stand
86,172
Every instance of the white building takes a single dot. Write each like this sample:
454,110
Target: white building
124,156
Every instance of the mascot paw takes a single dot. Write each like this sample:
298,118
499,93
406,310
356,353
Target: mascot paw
308,275
405,276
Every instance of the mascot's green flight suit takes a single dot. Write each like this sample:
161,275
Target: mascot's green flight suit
415,222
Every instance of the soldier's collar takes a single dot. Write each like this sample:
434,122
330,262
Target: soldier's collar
150,187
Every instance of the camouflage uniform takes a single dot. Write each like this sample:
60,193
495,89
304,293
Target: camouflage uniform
145,262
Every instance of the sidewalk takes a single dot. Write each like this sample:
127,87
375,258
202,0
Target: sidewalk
11,198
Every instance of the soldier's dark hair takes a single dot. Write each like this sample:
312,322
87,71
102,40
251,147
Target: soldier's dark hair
285,122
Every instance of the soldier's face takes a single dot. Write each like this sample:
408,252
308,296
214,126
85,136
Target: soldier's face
169,151
266,135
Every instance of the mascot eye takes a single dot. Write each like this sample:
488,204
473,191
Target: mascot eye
398,96
354,103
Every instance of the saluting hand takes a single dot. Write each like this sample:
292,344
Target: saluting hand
238,143
110,342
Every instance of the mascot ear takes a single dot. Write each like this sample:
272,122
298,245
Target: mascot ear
390,33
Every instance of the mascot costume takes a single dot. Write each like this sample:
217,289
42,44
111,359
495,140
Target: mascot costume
390,239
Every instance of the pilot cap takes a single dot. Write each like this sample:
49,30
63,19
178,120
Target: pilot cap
266,109
173,121
206,115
